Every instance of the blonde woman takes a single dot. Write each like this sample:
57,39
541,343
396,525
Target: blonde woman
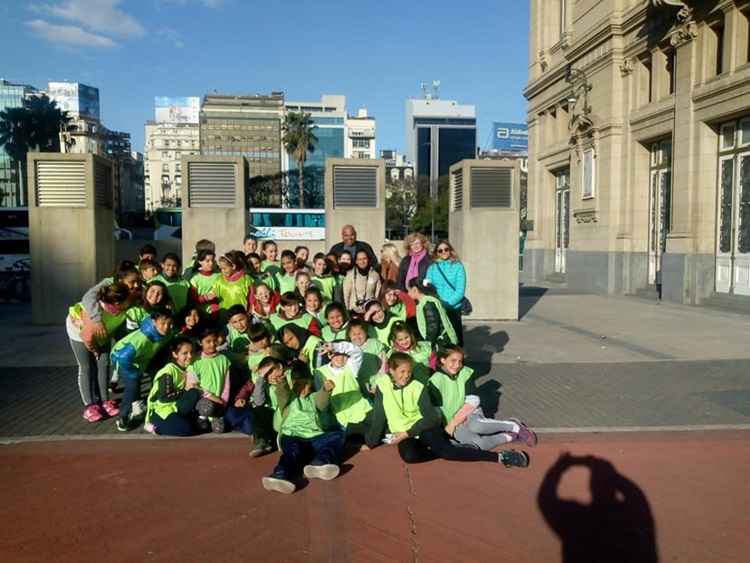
389,262
417,260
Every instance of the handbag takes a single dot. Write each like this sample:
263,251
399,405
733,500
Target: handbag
465,306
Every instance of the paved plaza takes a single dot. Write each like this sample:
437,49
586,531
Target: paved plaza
652,401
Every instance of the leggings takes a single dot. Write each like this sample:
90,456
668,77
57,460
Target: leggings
484,433
434,443
92,374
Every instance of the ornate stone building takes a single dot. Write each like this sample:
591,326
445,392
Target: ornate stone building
639,147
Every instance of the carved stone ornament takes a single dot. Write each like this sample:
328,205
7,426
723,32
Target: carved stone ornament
585,216
566,40
543,61
684,29
626,67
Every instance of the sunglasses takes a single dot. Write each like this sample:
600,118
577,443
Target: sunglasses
443,249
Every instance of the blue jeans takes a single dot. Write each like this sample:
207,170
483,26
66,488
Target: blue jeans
298,452
239,419
132,392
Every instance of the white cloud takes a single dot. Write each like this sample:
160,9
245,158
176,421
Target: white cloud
69,34
206,3
171,35
101,16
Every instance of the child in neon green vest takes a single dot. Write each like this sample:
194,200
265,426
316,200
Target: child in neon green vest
291,312
132,355
170,405
380,320
237,337
453,392
300,344
322,277
404,405
203,281
285,280
210,374
269,252
432,320
348,402
305,446
373,355
336,322
315,306
402,339
233,286
155,295
178,288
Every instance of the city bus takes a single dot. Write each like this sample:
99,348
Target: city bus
14,236
264,222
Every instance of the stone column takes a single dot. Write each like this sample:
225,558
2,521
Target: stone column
71,230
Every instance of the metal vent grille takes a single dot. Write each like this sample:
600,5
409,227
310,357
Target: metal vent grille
458,190
103,185
60,183
212,184
491,187
355,186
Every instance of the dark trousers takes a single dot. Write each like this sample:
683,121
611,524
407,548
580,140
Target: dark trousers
263,425
131,393
359,429
239,419
298,452
182,422
454,316
434,443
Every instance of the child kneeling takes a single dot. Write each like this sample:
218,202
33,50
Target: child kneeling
305,446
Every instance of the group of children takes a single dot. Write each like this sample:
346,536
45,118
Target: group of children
261,343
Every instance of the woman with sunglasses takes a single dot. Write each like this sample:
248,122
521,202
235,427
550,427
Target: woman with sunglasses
448,275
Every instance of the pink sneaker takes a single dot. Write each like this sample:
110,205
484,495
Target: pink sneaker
93,413
525,434
111,408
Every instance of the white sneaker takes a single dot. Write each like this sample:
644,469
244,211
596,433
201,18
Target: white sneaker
279,485
138,408
325,472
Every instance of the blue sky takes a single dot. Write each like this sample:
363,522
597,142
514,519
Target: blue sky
375,52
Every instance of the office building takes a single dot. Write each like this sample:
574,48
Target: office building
397,167
247,125
439,133
329,117
165,145
173,133
360,136
12,192
79,100
639,148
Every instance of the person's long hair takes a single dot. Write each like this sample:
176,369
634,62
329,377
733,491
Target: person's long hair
453,255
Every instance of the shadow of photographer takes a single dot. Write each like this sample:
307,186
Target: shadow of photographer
616,527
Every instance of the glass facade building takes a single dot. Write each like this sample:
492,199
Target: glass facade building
11,192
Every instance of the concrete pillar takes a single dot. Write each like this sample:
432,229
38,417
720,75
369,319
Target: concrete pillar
355,195
213,202
71,225
483,223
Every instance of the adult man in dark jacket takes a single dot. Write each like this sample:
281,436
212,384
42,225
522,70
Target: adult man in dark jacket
350,243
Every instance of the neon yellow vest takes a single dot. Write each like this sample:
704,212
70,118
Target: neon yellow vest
372,361
111,322
178,290
326,285
422,322
301,419
452,391
401,406
211,373
347,403
155,406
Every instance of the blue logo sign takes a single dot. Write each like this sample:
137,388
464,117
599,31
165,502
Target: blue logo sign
510,137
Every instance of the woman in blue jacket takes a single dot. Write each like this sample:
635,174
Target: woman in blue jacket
448,276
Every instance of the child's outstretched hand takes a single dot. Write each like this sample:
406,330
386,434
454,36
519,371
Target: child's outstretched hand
329,385
398,437
240,403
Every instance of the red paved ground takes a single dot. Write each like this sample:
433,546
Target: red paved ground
201,500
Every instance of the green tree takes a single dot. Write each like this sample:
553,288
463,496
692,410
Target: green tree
299,141
422,220
400,206
35,126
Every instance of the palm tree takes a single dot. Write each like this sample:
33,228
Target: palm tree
35,126
299,140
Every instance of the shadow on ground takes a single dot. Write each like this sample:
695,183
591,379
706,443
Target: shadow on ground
528,296
482,344
617,526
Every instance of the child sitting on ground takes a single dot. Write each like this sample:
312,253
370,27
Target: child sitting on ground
300,344
210,374
403,403
305,446
380,320
373,354
170,407
452,391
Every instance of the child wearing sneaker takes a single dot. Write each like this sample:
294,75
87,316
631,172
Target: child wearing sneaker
170,406
131,356
210,374
452,391
403,404
348,403
305,447
93,356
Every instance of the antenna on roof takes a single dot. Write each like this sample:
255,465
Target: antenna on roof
436,89
425,93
